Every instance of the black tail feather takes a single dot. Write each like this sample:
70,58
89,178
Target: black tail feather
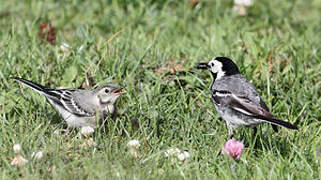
41,89
279,123
283,123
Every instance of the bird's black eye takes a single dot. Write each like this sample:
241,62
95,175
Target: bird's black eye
211,64
106,90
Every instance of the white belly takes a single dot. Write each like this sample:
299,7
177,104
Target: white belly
75,121
236,120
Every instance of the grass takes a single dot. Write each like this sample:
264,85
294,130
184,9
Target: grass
137,44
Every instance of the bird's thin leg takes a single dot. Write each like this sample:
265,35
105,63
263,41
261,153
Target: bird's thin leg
254,131
230,132
219,153
275,128
255,137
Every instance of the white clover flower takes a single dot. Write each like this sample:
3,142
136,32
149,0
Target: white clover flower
133,144
87,131
183,155
239,6
18,161
37,155
243,2
187,155
64,47
16,148
172,151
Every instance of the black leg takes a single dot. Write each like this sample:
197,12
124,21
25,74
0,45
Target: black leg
275,128
254,131
219,153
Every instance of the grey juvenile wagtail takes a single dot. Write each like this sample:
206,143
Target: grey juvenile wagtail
80,107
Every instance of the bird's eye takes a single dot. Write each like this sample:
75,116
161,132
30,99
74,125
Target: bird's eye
212,64
106,90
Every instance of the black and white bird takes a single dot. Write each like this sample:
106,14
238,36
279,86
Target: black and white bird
80,107
235,99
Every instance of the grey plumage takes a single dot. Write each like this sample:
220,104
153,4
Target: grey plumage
80,107
235,99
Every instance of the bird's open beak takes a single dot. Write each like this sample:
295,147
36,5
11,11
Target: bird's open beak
201,66
118,90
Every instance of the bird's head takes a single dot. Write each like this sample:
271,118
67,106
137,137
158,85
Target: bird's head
219,67
109,93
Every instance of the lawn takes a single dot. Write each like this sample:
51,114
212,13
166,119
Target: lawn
151,47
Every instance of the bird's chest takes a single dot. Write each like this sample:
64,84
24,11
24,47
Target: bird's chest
222,101
232,119
221,98
109,110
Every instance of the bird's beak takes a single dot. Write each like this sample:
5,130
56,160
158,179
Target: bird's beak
201,66
118,90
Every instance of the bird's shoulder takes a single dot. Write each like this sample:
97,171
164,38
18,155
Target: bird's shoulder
86,101
239,86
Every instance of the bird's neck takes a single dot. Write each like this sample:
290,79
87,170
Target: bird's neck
111,109
214,75
218,75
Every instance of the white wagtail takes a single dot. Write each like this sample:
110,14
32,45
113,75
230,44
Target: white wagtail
80,107
235,99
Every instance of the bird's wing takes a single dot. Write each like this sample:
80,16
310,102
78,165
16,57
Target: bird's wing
247,107
64,97
240,104
61,97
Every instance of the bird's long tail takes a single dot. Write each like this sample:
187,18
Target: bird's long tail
278,122
37,87
283,123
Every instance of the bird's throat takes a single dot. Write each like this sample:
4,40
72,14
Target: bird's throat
214,76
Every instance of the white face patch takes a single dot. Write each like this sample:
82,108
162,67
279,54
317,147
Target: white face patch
216,67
